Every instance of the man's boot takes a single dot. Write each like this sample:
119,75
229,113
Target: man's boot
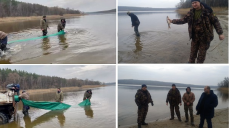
139,125
143,123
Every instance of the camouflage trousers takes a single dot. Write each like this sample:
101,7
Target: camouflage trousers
190,109
198,51
142,113
176,107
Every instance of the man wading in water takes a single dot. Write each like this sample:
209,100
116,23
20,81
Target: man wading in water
44,25
135,22
201,20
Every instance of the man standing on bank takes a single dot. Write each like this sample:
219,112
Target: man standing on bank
205,107
174,99
188,99
201,20
135,22
44,25
142,99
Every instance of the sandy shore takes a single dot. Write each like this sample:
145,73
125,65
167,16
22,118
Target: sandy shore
49,17
221,120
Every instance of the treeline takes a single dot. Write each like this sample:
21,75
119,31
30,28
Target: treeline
15,8
224,83
212,3
35,81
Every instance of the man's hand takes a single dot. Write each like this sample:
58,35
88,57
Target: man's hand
60,101
188,103
167,104
221,37
180,104
152,103
132,25
42,29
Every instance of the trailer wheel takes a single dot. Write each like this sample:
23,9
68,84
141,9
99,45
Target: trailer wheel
3,118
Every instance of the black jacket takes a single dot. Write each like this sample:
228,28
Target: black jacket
134,19
209,104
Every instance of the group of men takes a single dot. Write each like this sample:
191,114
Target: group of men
43,25
201,20
205,106
58,98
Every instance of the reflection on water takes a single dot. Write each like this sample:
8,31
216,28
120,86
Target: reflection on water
127,108
223,95
138,45
88,111
101,113
62,42
46,43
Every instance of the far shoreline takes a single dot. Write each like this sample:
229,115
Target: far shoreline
32,18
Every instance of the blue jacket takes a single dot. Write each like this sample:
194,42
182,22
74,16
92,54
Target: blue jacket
209,104
134,19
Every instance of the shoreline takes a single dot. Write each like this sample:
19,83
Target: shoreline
64,89
32,18
220,120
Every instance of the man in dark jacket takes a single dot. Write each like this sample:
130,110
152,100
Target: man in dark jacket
61,25
44,25
174,99
142,99
88,95
205,107
201,20
135,22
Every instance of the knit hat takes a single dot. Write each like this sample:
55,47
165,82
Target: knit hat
144,85
173,85
195,0
23,91
128,13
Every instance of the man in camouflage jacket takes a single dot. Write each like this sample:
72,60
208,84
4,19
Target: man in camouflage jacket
174,99
201,20
142,99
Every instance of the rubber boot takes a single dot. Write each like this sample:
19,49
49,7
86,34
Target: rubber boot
143,123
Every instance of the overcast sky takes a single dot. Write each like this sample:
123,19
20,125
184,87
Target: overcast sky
96,72
187,74
149,3
82,5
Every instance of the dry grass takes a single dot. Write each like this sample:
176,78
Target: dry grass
64,89
49,17
224,89
217,10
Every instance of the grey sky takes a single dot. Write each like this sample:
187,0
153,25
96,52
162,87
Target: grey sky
187,74
82,5
101,73
149,3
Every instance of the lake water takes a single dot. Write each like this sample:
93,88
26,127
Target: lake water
100,114
127,108
89,39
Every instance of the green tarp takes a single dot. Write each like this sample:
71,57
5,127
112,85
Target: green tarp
35,38
46,105
85,103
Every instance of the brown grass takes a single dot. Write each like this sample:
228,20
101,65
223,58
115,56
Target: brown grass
224,89
49,17
217,10
64,89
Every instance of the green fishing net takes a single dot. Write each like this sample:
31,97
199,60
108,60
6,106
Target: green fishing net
35,38
46,105
85,103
